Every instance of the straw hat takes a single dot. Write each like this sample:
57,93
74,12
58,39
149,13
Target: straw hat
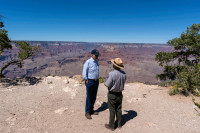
118,63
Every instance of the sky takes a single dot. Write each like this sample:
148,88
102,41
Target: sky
128,21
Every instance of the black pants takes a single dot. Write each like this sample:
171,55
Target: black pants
115,108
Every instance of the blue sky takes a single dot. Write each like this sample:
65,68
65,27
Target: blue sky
134,21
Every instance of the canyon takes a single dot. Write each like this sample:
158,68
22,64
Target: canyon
59,58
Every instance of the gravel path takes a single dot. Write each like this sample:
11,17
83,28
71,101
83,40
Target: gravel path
56,105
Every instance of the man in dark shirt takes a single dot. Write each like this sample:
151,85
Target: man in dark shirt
115,84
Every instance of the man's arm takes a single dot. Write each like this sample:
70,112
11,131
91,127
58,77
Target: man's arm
85,71
109,82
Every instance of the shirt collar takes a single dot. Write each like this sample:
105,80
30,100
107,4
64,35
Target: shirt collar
117,70
92,59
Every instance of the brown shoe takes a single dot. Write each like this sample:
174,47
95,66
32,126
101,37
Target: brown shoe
88,116
108,127
94,113
119,127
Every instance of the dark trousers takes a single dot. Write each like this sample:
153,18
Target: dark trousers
91,93
115,108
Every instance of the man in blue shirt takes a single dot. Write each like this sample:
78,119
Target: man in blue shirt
91,77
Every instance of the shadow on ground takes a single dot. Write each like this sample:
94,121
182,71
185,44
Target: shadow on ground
125,117
103,107
129,116
20,81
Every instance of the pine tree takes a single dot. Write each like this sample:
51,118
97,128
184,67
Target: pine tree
25,50
182,65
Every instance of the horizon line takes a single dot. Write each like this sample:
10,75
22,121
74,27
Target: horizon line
91,42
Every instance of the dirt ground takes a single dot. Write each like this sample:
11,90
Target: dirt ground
56,105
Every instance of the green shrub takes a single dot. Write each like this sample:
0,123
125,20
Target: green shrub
166,83
173,90
101,80
196,103
189,79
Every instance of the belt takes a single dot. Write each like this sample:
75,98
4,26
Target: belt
111,92
94,79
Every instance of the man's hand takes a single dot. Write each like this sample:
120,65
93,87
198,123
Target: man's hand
86,81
